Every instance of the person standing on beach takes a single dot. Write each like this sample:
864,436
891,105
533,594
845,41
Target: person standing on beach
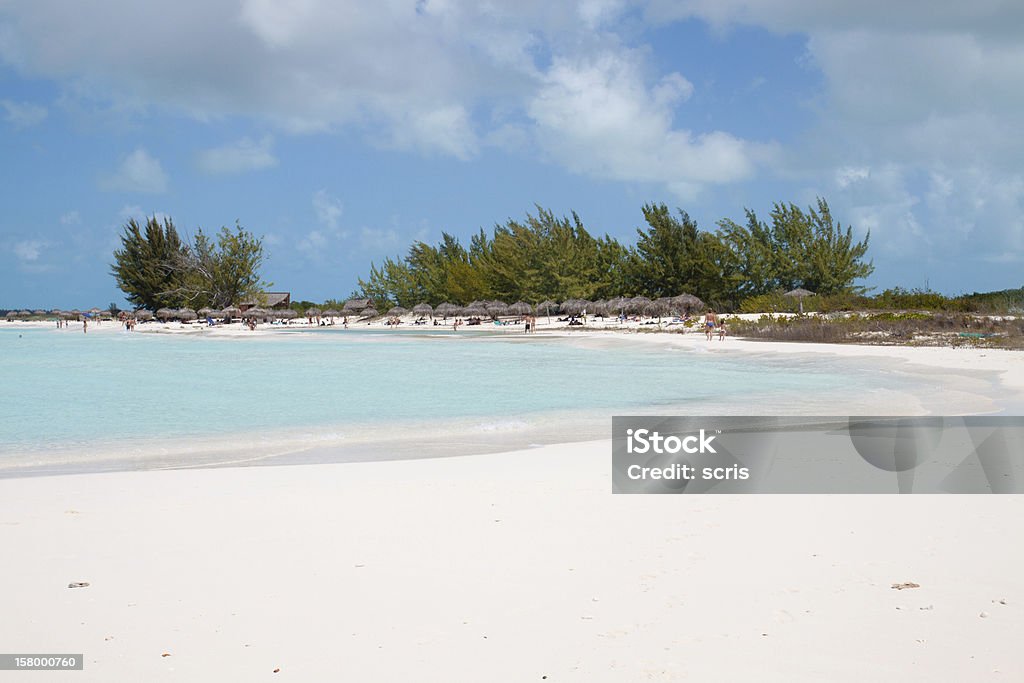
85,325
710,320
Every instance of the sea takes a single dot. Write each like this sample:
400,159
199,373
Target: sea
115,400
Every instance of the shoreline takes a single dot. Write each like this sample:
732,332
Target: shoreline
514,565
966,381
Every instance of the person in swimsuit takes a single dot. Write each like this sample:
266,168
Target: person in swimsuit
710,320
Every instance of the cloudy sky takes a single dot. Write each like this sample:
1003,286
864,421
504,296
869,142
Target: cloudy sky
343,131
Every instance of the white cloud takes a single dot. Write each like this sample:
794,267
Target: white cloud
138,172
446,129
847,175
598,117
328,209
240,156
28,251
23,114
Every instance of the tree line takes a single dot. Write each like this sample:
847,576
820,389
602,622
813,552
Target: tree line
543,257
546,257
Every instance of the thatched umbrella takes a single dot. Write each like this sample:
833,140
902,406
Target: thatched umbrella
397,311
637,304
286,313
143,314
260,314
476,311
94,310
575,306
520,308
799,293
38,312
446,309
546,306
232,312
659,307
423,309
204,311
312,312
688,302
354,306
369,313
164,313
599,307
185,314
617,305
496,308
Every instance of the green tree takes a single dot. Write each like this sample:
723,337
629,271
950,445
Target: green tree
146,266
157,269
673,256
225,272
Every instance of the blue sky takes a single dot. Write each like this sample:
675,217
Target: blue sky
341,132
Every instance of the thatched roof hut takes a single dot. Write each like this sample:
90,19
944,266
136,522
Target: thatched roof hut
423,309
357,305
369,313
143,314
397,311
164,313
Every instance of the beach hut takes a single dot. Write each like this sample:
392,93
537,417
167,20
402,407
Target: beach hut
423,309
353,306
799,293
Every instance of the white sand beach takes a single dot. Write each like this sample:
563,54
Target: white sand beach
510,567
513,566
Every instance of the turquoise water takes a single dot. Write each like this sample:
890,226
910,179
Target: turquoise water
68,392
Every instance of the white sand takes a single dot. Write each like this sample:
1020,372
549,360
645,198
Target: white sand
507,567
511,567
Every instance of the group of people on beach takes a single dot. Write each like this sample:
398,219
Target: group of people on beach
712,325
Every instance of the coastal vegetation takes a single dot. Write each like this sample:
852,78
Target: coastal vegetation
545,257
156,268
